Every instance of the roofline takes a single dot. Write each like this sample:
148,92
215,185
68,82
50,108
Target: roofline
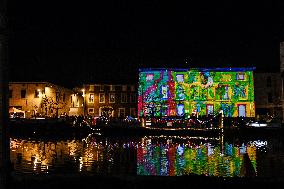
199,69
38,82
29,82
114,84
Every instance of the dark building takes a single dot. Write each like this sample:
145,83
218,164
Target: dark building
114,100
268,94
269,91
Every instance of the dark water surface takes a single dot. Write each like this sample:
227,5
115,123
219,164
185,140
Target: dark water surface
100,155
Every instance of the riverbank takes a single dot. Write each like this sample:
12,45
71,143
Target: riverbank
50,129
81,181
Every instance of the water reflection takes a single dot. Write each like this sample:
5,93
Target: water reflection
92,154
149,155
186,157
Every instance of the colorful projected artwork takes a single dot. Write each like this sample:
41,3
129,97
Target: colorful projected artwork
181,92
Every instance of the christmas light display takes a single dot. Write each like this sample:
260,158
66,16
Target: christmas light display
182,92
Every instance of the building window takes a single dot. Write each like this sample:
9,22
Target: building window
121,112
10,93
36,93
132,88
133,112
180,78
164,110
149,77
23,93
101,98
224,92
209,109
243,93
111,98
194,92
124,87
269,97
242,110
112,88
101,87
123,98
226,95
71,98
268,81
180,93
63,97
241,76
91,98
210,93
57,96
180,109
133,97
77,103
90,110
92,88
164,92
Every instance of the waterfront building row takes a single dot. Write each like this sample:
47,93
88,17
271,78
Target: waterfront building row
44,99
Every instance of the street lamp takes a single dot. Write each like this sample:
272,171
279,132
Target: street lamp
84,101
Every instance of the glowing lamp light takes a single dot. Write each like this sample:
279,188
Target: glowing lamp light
83,90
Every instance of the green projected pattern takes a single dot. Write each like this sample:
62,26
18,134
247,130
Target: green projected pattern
183,92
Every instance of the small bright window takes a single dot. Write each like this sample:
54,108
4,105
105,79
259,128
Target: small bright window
149,77
91,98
112,88
180,78
241,76
111,98
102,98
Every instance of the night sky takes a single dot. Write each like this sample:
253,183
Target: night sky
71,43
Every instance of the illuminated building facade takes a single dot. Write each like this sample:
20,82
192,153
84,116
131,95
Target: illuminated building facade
203,91
40,98
111,100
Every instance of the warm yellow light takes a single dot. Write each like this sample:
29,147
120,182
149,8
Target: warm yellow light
38,90
83,90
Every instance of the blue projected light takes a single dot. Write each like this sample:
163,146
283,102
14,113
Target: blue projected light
180,109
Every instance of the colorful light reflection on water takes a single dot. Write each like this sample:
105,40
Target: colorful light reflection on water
185,158
164,156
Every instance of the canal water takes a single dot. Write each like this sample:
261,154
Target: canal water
96,154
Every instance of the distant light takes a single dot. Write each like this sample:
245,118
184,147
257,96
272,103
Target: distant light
83,92
38,90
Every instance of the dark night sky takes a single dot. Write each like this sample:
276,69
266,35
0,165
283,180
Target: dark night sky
71,43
